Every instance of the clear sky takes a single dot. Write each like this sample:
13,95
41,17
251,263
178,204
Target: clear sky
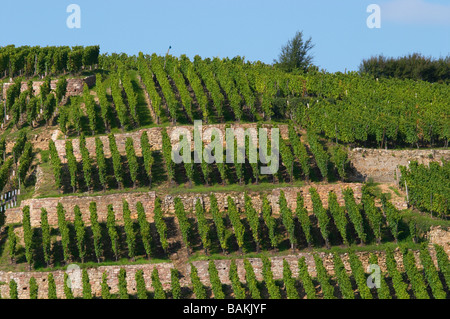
255,29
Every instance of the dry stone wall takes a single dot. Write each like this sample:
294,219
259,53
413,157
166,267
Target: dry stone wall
14,215
155,138
74,86
164,269
380,165
69,202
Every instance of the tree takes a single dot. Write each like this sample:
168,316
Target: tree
305,279
287,218
269,220
253,220
321,215
49,108
182,221
295,54
147,156
80,232
239,291
132,160
344,283
218,221
324,278
46,238
96,231
61,87
303,218
338,213
112,231
273,289
129,230
144,228
354,214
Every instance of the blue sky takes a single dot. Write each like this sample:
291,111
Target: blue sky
255,29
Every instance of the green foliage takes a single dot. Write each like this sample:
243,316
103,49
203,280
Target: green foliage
86,161
175,284
161,226
303,217
443,263
64,231
51,287
132,160
129,230
144,228
289,282
320,156
96,231
89,103
198,288
218,221
72,163
269,220
340,159
167,154
80,232
216,285
287,218
397,281
101,162
415,277
359,275
324,278
33,288
295,54
182,221
273,289
12,243
25,161
344,283
321,215
13,294
236,222
252,282
147,155
372,212
157,286
56,163
87,290
112,230
239,291
147,79
123,291
116,159
203,227
354,214
338,213
299,151
140,284
67,289
103,100
253,219
27,235
392,216
106,294
46,237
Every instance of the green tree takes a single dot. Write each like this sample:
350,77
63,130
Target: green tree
273,289
67,288
182,221
287,218
13,294
116,159
132,160
56,164
289,282
252,282
305,279
199,289
253,219
160,224
12,244
236,222
51,287
27,235
203,227
175,284
87,290
64,231
218,221
321,215
72,163
239,291
214,278
269,221
295,54
303,217
86,162
101,162
106,294
33,288
147,156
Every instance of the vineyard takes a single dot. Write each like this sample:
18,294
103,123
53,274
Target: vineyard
88,141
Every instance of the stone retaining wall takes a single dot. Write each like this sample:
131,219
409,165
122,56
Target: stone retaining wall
380,165
164,269
155,138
